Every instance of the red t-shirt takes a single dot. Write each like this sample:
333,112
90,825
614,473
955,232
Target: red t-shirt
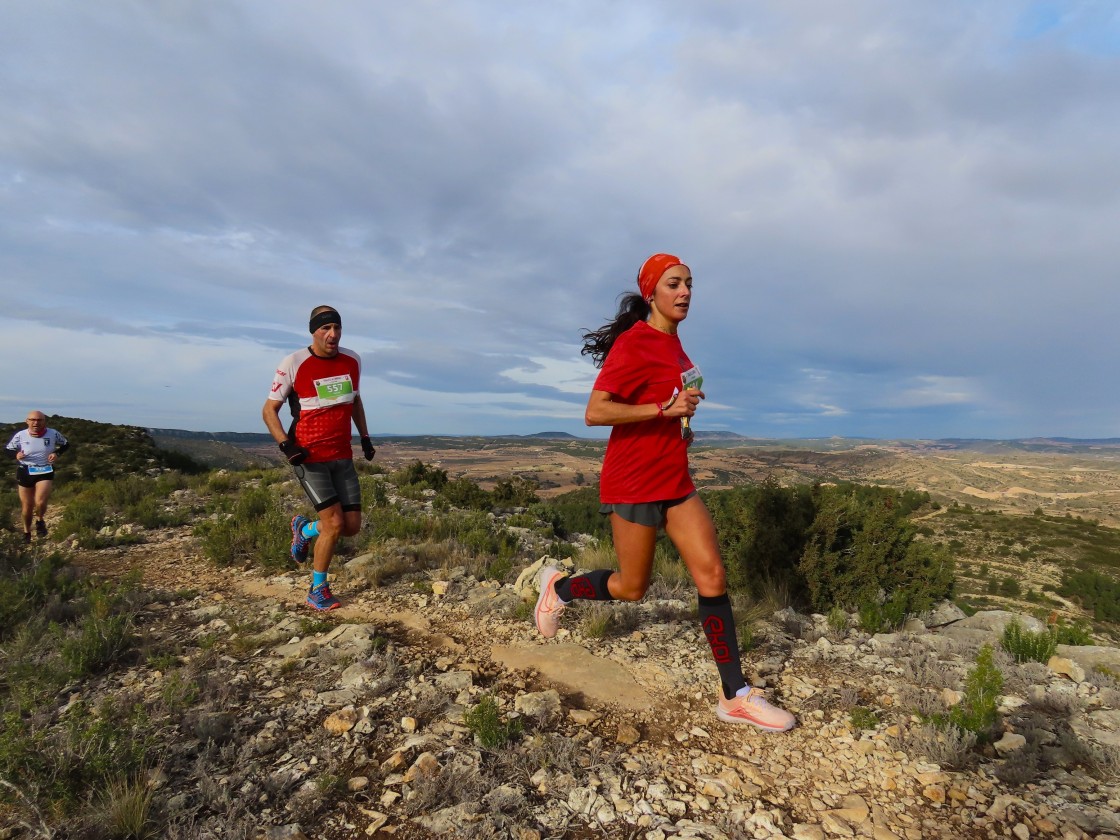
322,391
646,461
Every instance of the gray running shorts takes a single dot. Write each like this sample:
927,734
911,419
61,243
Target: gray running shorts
331,482
650,514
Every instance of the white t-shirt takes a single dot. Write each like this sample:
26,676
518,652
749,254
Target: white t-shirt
36,449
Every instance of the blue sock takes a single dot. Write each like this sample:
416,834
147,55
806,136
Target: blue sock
318,579
310,530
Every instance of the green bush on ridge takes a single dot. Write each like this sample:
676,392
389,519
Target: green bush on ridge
861,549
978,710
257,531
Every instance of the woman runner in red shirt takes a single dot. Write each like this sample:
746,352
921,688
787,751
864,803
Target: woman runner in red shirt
645,483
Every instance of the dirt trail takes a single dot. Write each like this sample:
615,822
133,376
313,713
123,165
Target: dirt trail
171,561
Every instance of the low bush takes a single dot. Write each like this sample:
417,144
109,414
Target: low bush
863,718
887,616
257,532
946,745
489,727
1078,634
977,711
96,643
1026,645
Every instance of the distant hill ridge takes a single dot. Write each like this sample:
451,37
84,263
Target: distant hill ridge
1035,444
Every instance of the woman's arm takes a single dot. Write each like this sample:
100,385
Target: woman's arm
602,410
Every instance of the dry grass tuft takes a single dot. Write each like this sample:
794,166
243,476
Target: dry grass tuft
950,747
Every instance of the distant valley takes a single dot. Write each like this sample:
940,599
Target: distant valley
1057,475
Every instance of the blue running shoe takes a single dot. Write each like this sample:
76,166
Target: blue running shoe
320,598
300,543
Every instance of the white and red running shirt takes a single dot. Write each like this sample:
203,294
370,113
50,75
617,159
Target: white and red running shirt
320,393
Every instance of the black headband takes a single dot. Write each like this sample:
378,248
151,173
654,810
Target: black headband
327,316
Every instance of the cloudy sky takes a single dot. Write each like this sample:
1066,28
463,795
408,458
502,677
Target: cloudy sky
902,218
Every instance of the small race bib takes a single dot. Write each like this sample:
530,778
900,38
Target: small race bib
334,390
35,470
692,378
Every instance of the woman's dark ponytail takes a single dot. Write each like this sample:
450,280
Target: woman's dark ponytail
597,343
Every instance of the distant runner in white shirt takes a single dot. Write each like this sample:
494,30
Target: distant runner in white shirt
36,449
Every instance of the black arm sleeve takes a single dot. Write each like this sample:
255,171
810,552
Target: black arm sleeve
11,453
62,447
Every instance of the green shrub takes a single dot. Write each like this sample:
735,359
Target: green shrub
84,513
464,493
596,620
863,718
514,492
1078,633
762,532
485,722
976,713
375,493
29,583
1010,587
257,532
97,643
860,546
498,569
419,476
89,752
178,693
576,512
886,617
745,632
1096,591
151,513
1026,645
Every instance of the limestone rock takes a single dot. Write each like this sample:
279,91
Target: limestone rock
1009,743
1066,667
541,705
342,721
628,734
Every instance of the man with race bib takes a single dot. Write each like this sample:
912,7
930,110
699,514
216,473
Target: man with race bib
320,385
35,449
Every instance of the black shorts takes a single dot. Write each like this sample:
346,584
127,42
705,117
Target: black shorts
331,482
24,478
650,514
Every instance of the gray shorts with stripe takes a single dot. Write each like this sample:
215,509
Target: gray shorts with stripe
329,483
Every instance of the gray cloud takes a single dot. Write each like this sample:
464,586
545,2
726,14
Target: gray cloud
899,217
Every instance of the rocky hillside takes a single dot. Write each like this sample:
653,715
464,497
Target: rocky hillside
428,706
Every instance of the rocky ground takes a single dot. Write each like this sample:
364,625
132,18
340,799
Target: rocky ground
354,723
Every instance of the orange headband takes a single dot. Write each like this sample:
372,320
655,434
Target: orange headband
651,272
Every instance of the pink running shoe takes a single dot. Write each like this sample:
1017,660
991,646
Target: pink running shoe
751,706
549,606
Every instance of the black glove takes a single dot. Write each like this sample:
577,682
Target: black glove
367,447
295,453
